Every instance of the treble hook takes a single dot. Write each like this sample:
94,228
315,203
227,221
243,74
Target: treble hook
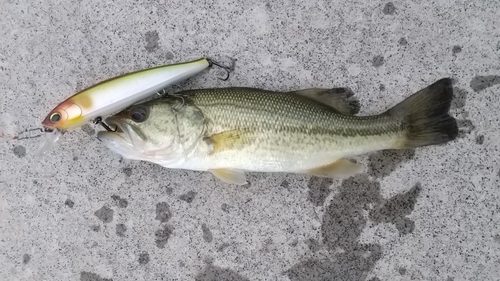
165,92
183,101
228,69
98,121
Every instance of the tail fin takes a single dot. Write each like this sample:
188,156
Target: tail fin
425,116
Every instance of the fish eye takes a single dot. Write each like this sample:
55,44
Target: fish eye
138,115
55,117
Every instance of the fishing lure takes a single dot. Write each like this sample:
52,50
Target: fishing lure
115,94
111,96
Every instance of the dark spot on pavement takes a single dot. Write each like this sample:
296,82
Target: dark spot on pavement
402,270
223,246
214,273
121,229
402,41
75,158
120,202
69,203
26,258
144,258
343,220
449,279
208,259
207,234
465,127
89,130
188,197
163,213
456,49
375,279
378,61
389,9
395,209
285,184
344,266
313,244
152,39
318,189
381,87
89,276
127,171
105,214
95,227
480,139
19,151
162,235
382,163
225,207
480,83
497,238
182,264
169,190
169,56
459,99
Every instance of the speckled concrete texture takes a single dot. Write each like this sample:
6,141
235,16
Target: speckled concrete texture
83,213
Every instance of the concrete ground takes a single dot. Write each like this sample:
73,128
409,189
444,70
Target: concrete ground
83,213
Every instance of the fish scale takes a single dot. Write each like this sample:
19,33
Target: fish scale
286,128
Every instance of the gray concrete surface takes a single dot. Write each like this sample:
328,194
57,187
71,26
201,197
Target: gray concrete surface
82,213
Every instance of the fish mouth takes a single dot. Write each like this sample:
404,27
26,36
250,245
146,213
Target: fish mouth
119,125
127,139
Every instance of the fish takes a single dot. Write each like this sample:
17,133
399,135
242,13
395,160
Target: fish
232,131
116,94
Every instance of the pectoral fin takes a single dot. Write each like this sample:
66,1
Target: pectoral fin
341,99
339,169
230,176
229,140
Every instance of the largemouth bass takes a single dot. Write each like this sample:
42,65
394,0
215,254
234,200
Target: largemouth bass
230,131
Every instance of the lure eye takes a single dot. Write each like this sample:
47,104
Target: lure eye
55,117
139,115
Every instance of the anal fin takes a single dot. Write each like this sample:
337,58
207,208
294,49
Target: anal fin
339,169
231,176
341,99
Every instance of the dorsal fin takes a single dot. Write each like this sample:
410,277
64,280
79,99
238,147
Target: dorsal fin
341,99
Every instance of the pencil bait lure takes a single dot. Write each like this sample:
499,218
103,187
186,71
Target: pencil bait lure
111,96
115,94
